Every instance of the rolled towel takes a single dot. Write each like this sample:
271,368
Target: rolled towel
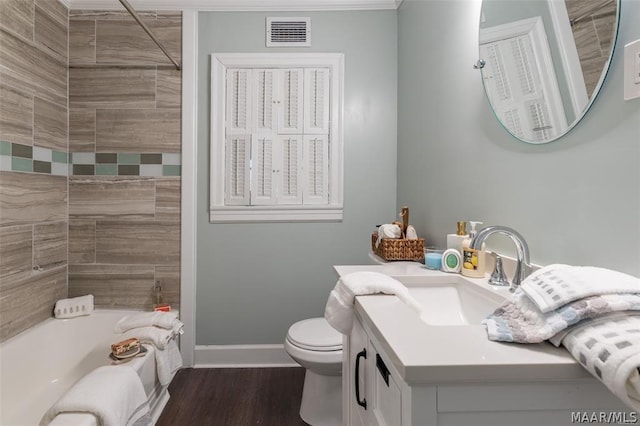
156,336
388,230
74,307
166,320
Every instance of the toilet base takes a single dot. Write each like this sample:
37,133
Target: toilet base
321,400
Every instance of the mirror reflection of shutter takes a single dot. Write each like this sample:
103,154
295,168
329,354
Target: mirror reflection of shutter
316,105
315,169
290,166
290,85
262,169
238,108
264,114
238,155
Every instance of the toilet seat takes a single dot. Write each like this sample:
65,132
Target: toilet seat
315,334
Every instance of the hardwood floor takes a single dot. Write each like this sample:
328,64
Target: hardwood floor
235,397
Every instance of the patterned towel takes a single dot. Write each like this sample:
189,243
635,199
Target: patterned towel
521,321
556,285
609,348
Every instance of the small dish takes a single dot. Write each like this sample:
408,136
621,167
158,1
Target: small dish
141,350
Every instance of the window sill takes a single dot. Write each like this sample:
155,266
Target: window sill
237,214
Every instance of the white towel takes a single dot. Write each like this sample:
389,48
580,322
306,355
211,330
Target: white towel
158,337
166,320
388,230
609,348
339,309
114,394
556,285
74,307
168,361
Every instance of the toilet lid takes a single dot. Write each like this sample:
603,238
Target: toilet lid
315,334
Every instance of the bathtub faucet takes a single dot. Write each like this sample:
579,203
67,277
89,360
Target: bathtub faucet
523,267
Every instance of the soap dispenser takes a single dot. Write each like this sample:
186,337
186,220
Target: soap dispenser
455,240
473,261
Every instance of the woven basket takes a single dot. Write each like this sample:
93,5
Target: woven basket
398,249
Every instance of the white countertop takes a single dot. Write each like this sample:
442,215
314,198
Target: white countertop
425,353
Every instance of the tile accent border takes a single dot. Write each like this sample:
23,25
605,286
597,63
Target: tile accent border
15,157
125,164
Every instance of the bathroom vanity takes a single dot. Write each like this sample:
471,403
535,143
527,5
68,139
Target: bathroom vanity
439,368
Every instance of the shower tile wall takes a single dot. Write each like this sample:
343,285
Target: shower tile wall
124,139
33,161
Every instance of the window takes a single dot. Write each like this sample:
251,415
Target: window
276,137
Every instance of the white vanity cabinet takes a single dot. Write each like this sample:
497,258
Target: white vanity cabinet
375,394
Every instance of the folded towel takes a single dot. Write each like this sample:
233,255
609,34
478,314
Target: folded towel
609,348
556,285
339,308
74,307
158,337
168,361
114,394
166,320
521,321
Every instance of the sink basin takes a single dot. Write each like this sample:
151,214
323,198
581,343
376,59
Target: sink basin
453,301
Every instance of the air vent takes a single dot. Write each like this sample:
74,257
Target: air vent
289,32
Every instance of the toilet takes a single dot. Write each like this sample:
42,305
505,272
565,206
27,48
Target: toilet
316,346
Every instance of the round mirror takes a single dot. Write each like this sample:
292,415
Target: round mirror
544,61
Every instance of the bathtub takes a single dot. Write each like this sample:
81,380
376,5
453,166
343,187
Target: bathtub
40,364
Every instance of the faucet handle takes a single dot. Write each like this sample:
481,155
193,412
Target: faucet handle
498,276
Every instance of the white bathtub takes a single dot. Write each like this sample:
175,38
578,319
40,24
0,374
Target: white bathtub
40,364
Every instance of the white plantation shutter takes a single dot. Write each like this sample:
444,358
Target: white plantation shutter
238,108
316,105
262,169
315,169
264,88
291,94
237,157
289,168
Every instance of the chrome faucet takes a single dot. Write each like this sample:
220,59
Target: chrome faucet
523,267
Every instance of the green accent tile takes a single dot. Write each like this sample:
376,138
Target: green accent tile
129,170
106,169
42,166
83,169
60,157
126,158
21,164
150,158
23,151
170,170
106,158
5,148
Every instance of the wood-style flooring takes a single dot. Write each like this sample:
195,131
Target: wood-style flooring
235,397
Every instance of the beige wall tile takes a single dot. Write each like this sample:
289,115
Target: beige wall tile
113,285
148,242
112,88
82,42
50,125
99,197
55,9
104,15
82,241
17,16
168,277
24,304
168,199
50,33
169,89
16,245
143,130
49,245
16,116
82,130
27,198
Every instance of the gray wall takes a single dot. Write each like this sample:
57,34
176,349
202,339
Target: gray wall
576,200
255,280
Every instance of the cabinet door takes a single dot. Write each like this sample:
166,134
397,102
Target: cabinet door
386,400
358,354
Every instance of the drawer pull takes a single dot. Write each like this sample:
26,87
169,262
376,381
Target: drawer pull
382,368
363,403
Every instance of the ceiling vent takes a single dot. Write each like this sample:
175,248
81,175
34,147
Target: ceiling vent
288,32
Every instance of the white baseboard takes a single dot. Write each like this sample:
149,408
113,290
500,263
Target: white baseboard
238,356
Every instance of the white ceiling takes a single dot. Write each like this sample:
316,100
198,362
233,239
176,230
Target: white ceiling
237,5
